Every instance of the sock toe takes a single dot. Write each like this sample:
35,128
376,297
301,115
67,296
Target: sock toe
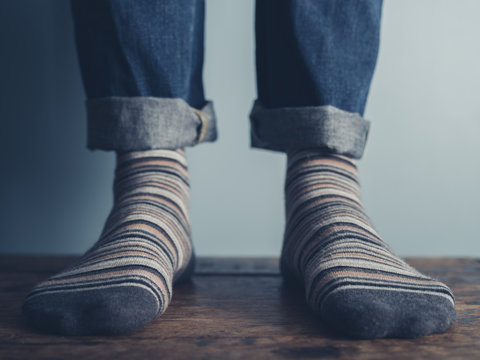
378,314
112,311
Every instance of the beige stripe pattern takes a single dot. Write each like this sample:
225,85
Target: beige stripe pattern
145,246
331,247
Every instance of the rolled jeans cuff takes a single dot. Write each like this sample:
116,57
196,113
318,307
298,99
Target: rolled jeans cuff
294,128
143,123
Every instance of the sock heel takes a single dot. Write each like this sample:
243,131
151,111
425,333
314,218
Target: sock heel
188,273
290,279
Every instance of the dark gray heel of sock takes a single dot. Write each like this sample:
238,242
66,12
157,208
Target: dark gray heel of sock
289,277
188,273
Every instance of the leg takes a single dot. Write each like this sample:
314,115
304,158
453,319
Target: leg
142,68
315,61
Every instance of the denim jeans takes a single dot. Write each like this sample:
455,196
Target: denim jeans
141,63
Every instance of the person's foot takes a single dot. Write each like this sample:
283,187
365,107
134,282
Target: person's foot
351,277
125,279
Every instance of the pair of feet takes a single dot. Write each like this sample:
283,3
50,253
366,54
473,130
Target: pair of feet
351,277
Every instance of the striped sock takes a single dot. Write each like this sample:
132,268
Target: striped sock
125,279
351,277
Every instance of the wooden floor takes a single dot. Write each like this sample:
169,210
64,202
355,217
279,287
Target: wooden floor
235,309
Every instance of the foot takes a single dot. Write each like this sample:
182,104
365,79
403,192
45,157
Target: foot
125,279
351,277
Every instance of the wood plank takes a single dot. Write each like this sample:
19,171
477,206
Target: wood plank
235,309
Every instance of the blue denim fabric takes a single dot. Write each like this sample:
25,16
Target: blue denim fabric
313,53
315,61
141,48
141,63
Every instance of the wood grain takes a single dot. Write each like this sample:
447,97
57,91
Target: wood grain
235,309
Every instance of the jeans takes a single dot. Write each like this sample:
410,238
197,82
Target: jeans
141,63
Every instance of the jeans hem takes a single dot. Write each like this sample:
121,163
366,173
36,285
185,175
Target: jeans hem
143,123
294,128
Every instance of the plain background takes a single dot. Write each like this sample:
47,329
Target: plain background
420,173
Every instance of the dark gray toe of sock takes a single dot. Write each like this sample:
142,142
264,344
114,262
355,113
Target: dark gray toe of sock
111,311
376,314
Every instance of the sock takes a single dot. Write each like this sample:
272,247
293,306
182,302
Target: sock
351,277
125,279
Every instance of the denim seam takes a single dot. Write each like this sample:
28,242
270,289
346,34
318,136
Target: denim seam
203,126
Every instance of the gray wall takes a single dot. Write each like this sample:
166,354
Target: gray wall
420,173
